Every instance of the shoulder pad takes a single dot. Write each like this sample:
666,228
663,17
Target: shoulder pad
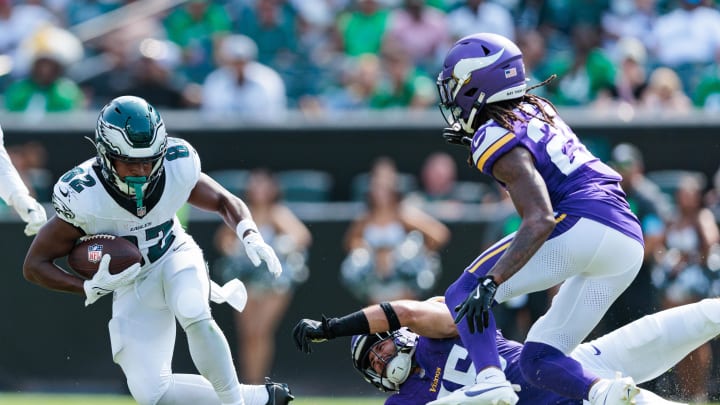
489,143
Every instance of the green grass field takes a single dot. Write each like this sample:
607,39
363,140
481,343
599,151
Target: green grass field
57,399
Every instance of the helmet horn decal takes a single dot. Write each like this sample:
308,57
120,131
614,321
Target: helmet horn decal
465,67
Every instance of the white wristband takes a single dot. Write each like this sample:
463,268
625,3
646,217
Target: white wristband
245,225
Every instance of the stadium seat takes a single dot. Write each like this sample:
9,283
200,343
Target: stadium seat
305,185
235,180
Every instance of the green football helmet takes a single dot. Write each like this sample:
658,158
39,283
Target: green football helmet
131,130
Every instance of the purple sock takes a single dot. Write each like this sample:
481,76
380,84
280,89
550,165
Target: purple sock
480,345
548,368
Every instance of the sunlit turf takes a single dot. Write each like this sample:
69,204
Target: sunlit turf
58,399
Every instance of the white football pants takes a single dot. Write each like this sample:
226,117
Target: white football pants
594,262
646,348
142,334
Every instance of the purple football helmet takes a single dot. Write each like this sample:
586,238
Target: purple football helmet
479,69
397,367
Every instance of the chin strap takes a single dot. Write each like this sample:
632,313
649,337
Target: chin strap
137,183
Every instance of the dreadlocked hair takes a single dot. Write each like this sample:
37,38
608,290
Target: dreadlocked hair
502,111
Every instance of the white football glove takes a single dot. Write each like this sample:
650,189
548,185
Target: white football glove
30,211
104,283
256,248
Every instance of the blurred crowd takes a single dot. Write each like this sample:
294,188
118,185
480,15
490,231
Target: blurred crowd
262,57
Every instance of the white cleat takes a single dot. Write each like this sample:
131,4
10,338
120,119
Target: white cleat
618,391
492,389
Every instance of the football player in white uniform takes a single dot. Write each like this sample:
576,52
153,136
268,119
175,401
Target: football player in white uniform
133,188
14,192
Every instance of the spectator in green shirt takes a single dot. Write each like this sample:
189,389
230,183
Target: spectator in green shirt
46,89
195,28
707,93
403,85
583,74
361,31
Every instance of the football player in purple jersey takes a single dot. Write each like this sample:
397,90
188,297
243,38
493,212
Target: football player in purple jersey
412,348
577,228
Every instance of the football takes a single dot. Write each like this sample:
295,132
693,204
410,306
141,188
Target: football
84,258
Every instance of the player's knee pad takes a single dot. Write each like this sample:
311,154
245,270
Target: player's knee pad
189,304
187,298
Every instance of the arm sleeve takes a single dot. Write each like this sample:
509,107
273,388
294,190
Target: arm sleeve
10,181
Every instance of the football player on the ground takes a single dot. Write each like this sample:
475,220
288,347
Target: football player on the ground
422,359
14,192
133,188
576,229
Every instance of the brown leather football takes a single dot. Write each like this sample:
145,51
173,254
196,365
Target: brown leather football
85,257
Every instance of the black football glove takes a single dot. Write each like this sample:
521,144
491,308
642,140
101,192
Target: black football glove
310,331
477,305
456,136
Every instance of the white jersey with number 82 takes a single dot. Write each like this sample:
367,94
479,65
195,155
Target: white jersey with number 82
83,200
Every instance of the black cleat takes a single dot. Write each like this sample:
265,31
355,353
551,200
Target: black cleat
278,393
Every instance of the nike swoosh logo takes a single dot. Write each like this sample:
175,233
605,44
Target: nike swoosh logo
101,291
178,247
479,392
64,193
597,351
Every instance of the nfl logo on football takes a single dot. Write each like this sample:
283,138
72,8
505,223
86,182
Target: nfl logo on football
94,253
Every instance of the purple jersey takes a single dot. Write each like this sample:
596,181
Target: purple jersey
578,183
445,366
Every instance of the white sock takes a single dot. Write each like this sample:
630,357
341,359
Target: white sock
490,374
599,386
211,354
254,394
189,388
